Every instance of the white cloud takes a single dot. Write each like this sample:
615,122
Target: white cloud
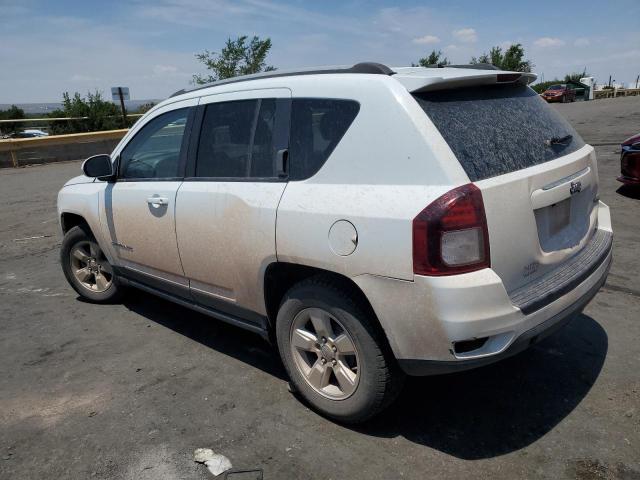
241,15
150,47
105,57
466,35
545,42
426,40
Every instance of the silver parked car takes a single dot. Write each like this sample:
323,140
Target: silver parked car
373,222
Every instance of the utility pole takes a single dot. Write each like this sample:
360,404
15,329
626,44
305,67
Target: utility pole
122,94
124,112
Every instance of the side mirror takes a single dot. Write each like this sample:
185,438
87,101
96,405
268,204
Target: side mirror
98,166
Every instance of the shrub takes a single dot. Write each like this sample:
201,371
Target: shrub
13,113
101,114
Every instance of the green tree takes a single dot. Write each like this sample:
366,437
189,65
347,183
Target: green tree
100,114
511,59
145,107
12,113
236,58
575,76
433,59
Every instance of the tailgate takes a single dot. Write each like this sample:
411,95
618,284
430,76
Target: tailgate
538,179
541,216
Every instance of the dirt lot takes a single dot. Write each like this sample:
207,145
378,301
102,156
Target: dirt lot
129,391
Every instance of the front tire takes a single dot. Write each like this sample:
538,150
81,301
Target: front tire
335,356
87,269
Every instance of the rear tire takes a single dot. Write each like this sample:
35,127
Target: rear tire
87,269
336,357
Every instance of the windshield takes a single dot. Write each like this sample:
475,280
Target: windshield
556,87
498,129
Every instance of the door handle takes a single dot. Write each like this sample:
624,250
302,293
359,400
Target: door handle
158,201
282,157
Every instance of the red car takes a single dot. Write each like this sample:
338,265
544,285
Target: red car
630,161
559,93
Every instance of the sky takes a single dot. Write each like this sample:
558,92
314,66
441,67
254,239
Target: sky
48,47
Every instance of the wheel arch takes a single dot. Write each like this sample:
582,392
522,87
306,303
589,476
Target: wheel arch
279,277
69,220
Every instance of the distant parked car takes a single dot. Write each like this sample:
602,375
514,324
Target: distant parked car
29,134
630,161
559,93
35,133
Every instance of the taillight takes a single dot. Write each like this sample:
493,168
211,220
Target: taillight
450,236
630,162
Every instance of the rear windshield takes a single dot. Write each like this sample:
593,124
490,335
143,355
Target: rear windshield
498,129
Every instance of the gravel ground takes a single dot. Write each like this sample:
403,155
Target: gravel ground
129,391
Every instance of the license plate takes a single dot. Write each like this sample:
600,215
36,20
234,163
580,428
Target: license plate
560,216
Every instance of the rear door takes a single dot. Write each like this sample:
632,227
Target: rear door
538,179
226,207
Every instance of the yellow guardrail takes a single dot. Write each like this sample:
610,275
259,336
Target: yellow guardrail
13,145
618,92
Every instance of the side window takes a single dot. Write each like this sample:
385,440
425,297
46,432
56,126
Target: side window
154,152
236,140
263,149
317,126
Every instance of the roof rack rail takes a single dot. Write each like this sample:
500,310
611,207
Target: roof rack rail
363,67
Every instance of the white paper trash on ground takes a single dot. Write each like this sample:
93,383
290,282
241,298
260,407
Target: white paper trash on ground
215,462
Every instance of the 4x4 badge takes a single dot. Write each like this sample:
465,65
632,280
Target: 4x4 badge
575,187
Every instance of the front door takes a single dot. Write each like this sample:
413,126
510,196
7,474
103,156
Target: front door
226,207
140,205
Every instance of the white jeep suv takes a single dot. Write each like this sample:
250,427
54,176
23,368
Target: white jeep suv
372,222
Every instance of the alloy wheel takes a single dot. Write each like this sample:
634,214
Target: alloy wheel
324,353
90,267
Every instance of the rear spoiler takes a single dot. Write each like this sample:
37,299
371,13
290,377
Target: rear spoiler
414,82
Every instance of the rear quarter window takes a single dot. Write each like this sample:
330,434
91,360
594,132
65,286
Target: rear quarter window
498,129
317,126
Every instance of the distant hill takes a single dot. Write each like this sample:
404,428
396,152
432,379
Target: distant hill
45,108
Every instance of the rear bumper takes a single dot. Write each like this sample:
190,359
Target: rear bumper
450,323
573,272
522,342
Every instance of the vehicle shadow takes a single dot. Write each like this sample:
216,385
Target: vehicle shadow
477,414
217,335
629,191
503,407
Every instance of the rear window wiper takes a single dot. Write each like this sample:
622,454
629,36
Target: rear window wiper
558,140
